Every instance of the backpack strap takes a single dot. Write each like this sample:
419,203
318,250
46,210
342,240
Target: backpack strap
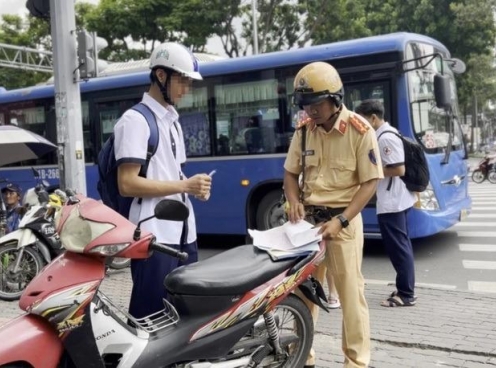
400,137
153,139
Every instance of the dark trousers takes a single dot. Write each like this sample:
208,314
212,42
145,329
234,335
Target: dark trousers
148,279
395,238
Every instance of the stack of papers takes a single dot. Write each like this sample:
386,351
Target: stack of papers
287,241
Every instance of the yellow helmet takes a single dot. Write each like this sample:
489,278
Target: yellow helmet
315,82
55,200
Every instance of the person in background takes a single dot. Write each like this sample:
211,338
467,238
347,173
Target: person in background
12,198
394,201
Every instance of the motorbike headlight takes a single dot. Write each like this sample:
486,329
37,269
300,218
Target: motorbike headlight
109,250
427,200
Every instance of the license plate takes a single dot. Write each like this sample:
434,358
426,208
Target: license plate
463,214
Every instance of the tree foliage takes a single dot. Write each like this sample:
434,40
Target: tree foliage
132,29
30,32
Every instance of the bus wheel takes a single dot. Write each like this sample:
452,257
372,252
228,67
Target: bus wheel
270,212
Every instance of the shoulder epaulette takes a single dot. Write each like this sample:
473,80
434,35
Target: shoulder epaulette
304,122
359,125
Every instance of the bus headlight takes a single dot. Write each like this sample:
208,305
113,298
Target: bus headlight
427,200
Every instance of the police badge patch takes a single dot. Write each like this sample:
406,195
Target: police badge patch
372,157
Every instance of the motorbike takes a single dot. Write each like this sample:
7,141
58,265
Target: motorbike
25,251
236,309
485,170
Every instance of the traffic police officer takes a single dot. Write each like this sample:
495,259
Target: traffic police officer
342,168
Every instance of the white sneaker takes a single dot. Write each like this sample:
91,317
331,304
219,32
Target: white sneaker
333,303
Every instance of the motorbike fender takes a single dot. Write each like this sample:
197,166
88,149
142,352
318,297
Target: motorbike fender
20,236
45,252
30,339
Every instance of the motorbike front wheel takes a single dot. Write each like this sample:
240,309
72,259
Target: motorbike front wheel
119,263
13,282
478,176
491,176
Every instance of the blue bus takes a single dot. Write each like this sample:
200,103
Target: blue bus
239,121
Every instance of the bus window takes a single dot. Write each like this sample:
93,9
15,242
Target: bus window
193,117
2,118
31,118
247,117
356,93
88,144
109,113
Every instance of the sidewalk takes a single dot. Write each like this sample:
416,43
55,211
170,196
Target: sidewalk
445,329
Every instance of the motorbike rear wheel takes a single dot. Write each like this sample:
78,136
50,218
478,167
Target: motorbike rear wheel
478,176
12,284
295,324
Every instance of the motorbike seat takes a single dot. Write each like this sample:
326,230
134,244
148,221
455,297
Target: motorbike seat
232,272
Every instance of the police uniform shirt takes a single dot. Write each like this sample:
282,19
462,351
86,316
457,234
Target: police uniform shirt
398,198
336,162
131,143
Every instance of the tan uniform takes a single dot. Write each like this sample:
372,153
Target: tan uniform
336,163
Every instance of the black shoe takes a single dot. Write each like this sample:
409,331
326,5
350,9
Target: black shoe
309,366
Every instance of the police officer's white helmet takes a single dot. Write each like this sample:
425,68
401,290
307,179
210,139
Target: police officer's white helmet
171,55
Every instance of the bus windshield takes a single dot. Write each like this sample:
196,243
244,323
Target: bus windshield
431,124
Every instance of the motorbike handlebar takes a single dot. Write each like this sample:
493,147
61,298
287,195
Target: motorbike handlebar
183,256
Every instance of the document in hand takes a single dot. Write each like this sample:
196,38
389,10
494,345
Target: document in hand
288,240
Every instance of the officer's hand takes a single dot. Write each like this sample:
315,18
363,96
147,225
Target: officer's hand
199,185
330,229
296,212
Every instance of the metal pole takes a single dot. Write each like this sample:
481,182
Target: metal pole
67,96
255,26
95,53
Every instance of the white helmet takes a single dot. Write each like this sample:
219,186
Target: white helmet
177,57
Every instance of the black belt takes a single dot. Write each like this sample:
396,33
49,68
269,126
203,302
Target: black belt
322,213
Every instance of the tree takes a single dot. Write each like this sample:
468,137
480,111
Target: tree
31,32
335,20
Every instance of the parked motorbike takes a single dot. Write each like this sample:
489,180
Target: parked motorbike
233,310
485,170
25,251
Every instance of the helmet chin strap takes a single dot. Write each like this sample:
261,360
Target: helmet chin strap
333,115
164,89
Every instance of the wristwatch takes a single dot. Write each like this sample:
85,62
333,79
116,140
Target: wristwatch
344,221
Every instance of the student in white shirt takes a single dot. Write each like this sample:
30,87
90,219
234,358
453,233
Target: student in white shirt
394,201
173,67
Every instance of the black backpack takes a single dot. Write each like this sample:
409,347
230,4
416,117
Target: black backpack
416,176
107,168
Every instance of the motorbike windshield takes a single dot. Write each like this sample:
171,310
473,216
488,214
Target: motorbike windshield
77,232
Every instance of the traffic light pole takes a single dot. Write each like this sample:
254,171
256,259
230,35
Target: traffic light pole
67,96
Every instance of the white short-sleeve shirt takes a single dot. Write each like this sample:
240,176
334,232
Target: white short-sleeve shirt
398,198
131,143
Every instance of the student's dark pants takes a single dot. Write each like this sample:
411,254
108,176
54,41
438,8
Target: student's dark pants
395,238
148,279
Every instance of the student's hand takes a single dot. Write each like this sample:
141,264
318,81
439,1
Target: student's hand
296,212
330,229
199,185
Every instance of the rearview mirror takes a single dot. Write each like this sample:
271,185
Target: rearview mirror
442,91
456,65
172,210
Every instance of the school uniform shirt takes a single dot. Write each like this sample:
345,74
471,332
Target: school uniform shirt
398,198
131,143
336,162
